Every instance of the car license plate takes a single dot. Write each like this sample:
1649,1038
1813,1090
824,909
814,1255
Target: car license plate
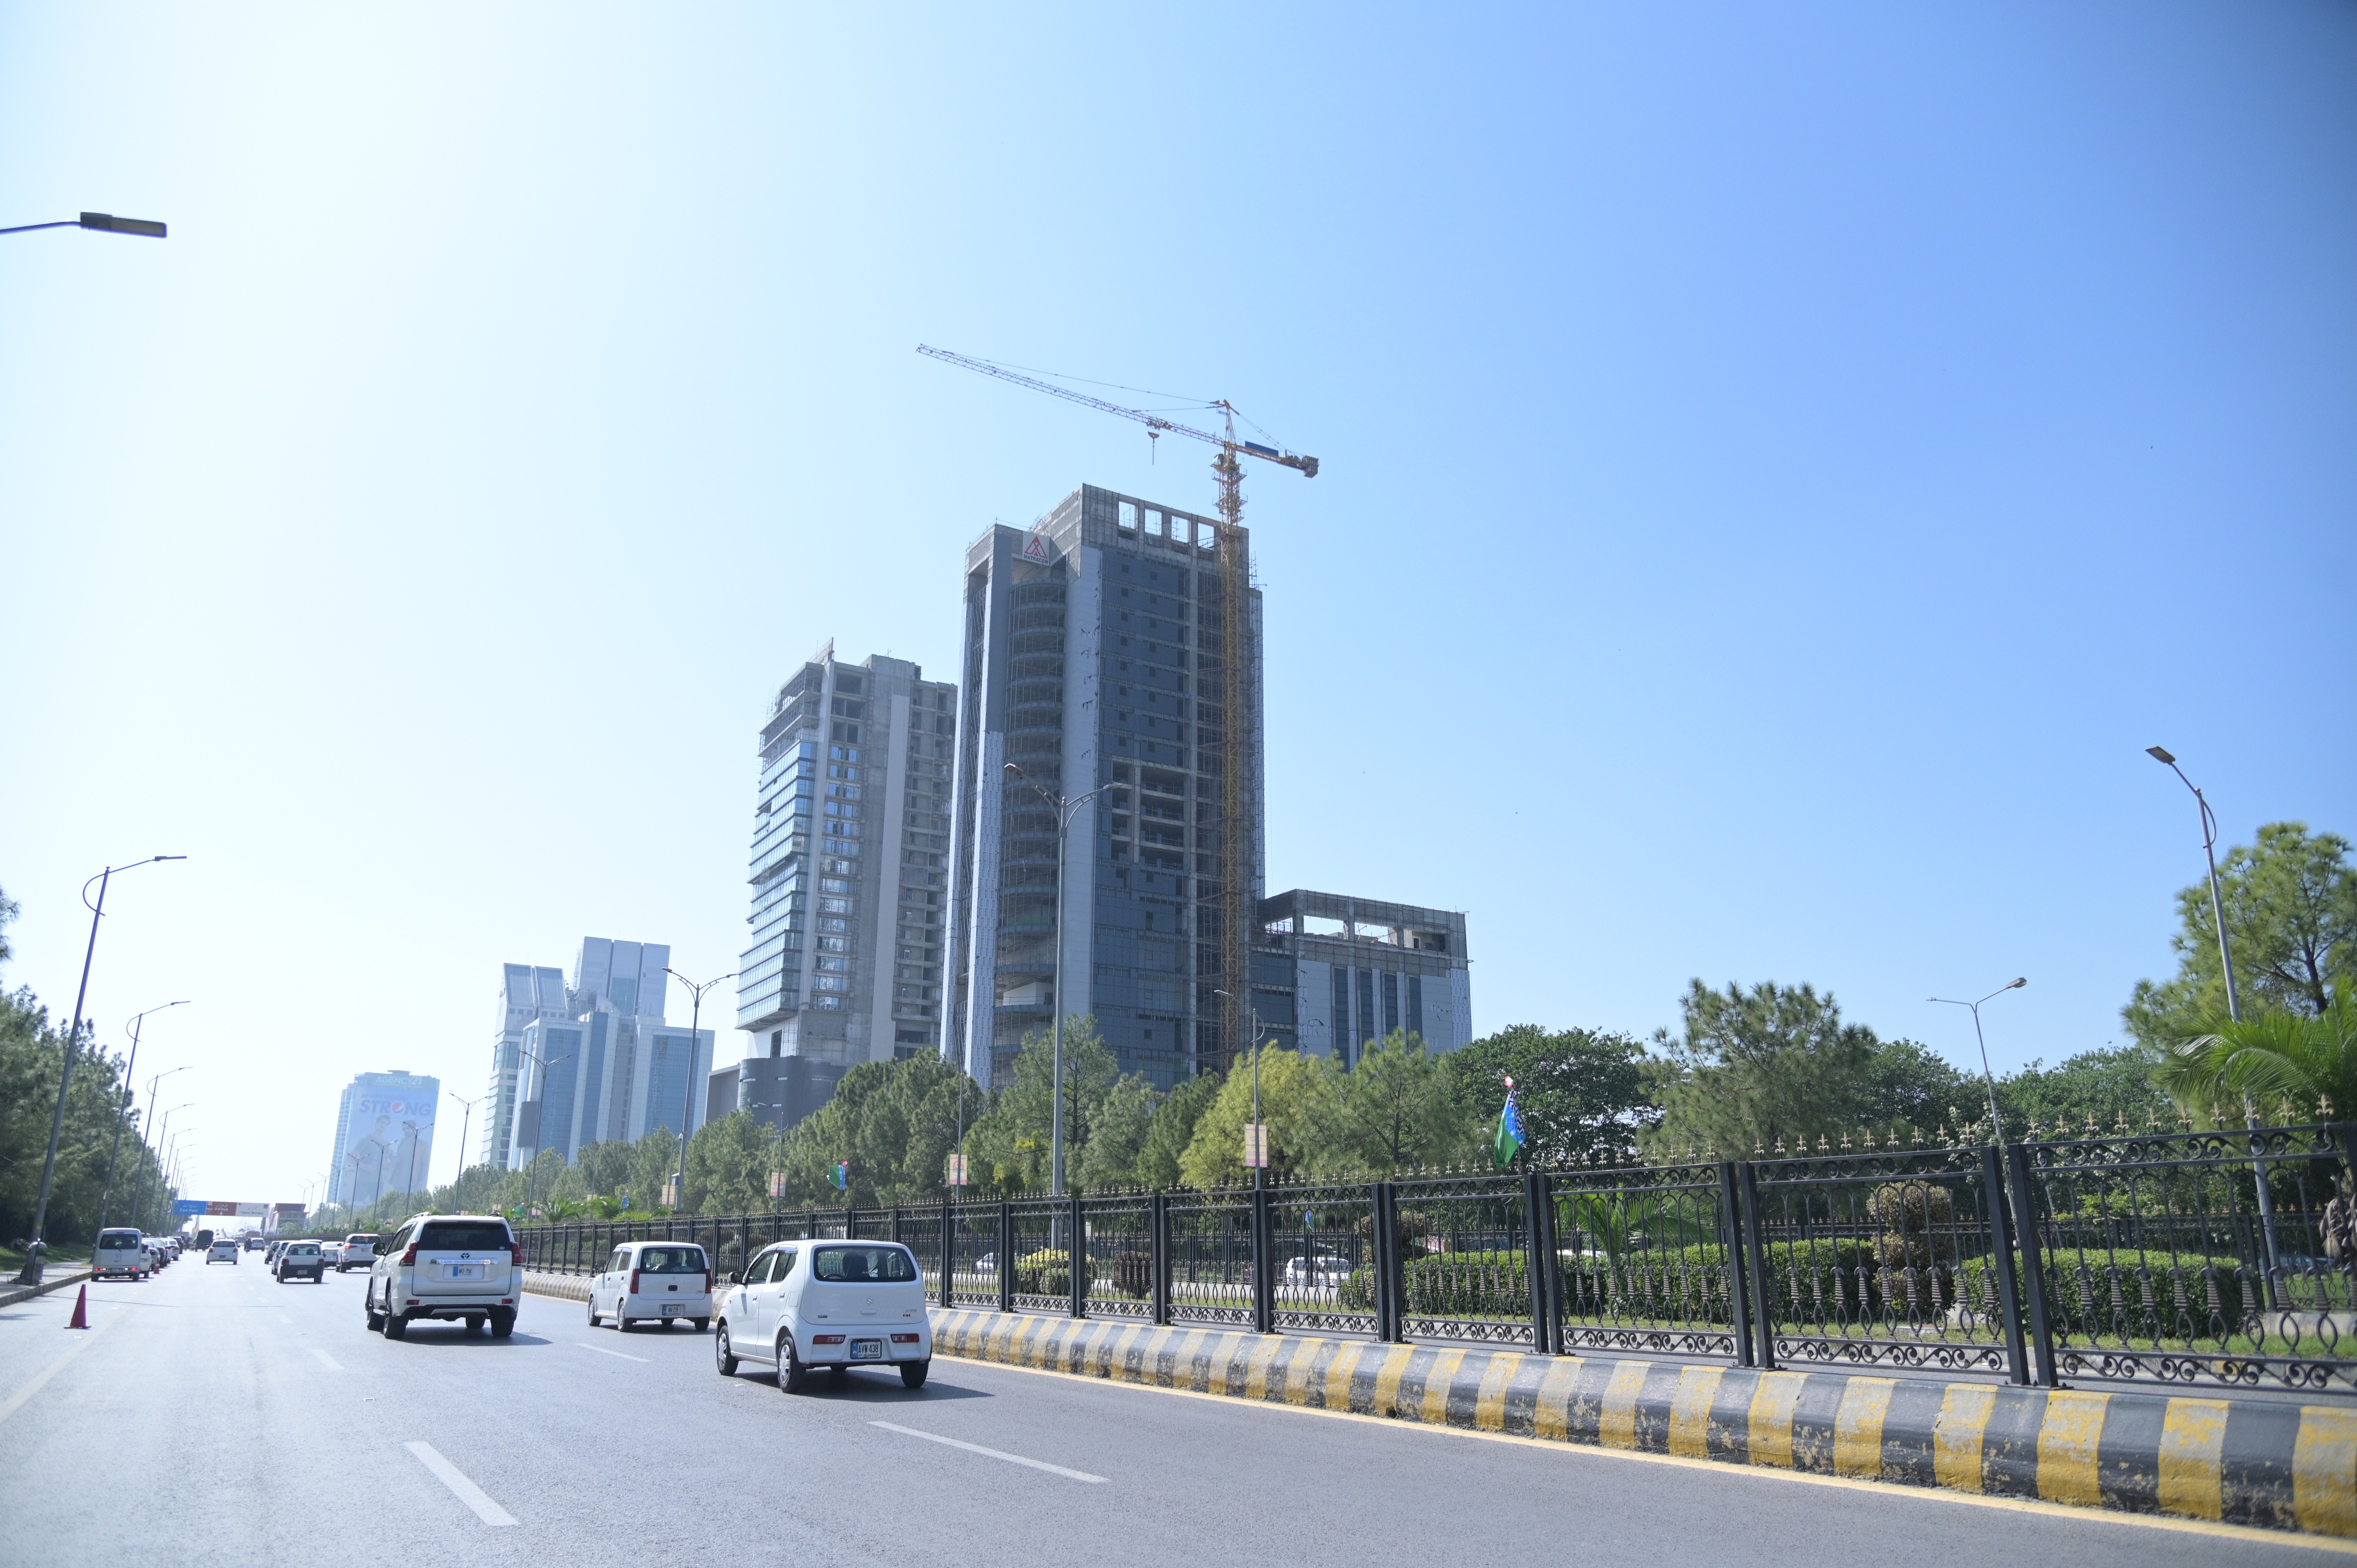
868,1349
670,1309
465,1271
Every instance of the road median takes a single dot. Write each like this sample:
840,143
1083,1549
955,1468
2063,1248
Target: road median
2267,1464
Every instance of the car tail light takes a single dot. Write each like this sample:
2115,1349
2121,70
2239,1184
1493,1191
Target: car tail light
826,1338
515,1250
904,1339
410,1256
707,1281
634,1282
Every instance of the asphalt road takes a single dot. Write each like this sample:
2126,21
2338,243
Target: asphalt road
216,1416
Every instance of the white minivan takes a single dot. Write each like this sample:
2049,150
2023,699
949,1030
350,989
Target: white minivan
653,1281
121,1254
800,1306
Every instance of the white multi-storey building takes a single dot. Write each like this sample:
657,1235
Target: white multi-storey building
607,1066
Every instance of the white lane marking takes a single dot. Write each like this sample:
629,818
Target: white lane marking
987,1453
327,1360
641,1360
465,1490
81,1337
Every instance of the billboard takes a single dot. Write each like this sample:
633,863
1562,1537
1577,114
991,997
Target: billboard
388,1142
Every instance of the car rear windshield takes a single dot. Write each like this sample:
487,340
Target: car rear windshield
863,1265
482,1236
301,1249
117,1241
671,1259
359,1240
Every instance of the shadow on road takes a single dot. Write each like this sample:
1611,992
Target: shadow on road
864,1387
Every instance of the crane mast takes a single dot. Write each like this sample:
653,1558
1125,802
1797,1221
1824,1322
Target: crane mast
1228,672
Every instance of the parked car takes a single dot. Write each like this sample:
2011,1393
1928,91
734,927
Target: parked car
224,1250
358,1250
985,1264
1325,1269
653,1281
299,1261
120,1255
448,1266
802,1305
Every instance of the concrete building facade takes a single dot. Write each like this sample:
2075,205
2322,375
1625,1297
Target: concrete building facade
1333,974
851,838
1085,638
527,991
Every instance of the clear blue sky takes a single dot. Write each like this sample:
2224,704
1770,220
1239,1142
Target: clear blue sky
1782,465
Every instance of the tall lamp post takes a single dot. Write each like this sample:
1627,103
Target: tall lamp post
687,1106
2233,998
106,1196
35,1248
1995,1120
547,1065
1067,807
466,1124
105,222
1260,1133
139,1194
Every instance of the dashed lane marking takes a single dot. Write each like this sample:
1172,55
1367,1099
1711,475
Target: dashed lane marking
327,1360
988,1453
81,1339
465,1490
641,1360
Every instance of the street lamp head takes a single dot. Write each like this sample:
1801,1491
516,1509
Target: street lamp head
2161,754
2019,983
108,223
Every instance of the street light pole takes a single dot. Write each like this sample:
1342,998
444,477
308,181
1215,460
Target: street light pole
2233,1002
106,1196
156,1148
1995,1120
466,1124
34,1247
531,1166
687,1107
1067,807
1260,1133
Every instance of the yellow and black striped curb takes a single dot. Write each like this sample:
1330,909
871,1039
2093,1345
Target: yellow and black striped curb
2280,1465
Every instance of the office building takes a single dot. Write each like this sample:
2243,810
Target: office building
384,1137
527,991
1332,976
850,845
1115,643
609,1067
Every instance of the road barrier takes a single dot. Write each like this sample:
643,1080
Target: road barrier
2218,1259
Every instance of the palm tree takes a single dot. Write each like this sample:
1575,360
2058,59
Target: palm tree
2308,1059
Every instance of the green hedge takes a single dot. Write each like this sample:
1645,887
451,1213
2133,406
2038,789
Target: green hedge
2101,1295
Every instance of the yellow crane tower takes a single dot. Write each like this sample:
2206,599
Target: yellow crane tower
1230,732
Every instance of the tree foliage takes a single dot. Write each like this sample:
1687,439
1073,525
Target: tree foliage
1583,1093
1296,1105
2290,902
1760,1066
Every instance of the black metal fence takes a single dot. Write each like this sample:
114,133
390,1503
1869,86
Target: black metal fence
2185,1258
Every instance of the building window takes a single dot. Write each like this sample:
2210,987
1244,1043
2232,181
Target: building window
1342,1020
828,1003
1415,1006
844,753
833,925
1366,1029
828,982
1390,1003
834,906
833,944
1129,514
777,1043
832,884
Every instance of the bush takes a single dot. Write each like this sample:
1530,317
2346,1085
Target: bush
2125,1295
1047,1272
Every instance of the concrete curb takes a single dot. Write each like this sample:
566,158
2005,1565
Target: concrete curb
12,1294
565,1287
2278,1465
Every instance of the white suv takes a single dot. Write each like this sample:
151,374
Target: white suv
800,1306
466,1266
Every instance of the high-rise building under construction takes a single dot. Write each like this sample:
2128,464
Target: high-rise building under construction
1098,653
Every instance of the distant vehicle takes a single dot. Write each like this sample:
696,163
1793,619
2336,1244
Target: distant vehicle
161,1247
985,1264
221,1251
653,1281
120,1255
449,1266
204,1241
802,1305
299,1261
331,1252
358,1250
1325,1269
270,1254
254,1240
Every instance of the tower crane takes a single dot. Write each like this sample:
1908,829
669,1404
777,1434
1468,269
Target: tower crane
1227,671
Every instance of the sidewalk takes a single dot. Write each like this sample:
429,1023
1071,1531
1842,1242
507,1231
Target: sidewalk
2269,1463
54,1279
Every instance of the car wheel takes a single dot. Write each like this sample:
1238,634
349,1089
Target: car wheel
474,1325
503,1325
793,1376
702,1323
396,1327
593,1312
621,1324
375,1318
912,1373
721,1359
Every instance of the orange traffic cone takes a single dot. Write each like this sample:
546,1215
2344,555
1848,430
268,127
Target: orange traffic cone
80,1319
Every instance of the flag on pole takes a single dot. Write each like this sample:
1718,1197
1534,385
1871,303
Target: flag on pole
1509,1142
841,1173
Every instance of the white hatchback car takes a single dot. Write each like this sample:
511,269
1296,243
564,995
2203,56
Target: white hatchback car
653,1281
800,1306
